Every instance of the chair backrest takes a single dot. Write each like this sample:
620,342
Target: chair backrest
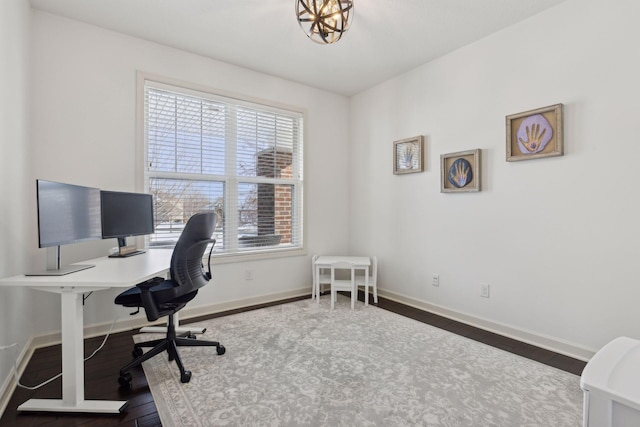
342,284
342,266
186,262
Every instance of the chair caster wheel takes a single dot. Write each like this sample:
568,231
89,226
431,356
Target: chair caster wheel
137,352
184,378
125,380
221,350
191,336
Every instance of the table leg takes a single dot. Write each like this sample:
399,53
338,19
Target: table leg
366,286
313,281
317,279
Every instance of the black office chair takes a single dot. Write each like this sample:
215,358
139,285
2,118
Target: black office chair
164,297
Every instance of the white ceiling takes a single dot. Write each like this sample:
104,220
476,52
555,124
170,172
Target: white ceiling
387,37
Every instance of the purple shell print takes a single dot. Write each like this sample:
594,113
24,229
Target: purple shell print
534,134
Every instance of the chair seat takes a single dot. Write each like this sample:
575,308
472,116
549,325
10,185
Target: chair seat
131,297
341,284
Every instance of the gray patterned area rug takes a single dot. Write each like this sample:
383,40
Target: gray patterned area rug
301,364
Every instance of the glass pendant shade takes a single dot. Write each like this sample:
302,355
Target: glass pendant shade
324,21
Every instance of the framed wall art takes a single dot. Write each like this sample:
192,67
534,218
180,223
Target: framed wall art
535,134
460,172
408,155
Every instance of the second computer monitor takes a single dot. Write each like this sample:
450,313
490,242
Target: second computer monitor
126,214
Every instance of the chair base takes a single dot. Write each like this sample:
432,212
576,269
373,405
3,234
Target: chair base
169,344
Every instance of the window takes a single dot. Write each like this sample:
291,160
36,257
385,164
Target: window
242,160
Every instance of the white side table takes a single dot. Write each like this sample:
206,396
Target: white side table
359,263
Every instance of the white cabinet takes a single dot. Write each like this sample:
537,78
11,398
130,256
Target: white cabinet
611,385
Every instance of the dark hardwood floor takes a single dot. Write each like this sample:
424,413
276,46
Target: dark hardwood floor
102,371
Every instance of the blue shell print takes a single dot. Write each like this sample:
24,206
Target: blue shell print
460,173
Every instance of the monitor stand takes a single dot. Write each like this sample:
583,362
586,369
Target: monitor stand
124,250
57,270
61,271
127,254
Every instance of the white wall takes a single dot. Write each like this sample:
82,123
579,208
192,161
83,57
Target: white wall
14,150
84,131
557,239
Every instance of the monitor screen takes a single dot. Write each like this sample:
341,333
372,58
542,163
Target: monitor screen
126,214
67,213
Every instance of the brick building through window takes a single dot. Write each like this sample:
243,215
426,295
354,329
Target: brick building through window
275,200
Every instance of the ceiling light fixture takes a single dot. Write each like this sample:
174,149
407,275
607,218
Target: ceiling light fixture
324,21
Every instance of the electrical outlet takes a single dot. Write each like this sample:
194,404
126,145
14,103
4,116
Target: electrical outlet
248,274
435,280
484,290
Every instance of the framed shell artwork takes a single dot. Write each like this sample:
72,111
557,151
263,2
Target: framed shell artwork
408,155
535,134
460,172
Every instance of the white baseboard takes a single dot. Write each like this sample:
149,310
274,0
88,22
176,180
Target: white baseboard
189,313
539,340
9,385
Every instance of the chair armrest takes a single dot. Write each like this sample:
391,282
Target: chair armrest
150,283
149,304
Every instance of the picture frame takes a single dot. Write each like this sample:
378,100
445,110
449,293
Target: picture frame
460,172
408,155
535,134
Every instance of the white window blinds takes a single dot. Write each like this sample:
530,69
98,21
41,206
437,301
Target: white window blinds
242,160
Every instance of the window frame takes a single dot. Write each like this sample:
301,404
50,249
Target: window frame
299,185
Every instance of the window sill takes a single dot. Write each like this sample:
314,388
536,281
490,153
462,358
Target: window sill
222,258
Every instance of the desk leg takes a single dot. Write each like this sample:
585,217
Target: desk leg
73,367
72,349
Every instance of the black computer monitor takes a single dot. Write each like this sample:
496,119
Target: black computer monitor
126,214
66,214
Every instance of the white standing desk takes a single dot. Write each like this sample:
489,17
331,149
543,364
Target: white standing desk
325,261
107,273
